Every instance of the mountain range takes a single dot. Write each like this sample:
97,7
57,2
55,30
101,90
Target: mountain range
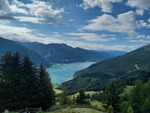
97,75
8,45
62,53
49,54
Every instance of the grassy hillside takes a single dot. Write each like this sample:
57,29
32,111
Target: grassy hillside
76,110
56,89
120,65
96,77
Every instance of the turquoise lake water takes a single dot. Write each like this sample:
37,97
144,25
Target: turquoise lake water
63,72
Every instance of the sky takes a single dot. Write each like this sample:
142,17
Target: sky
90,24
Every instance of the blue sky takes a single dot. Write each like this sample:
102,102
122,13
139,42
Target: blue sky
89,24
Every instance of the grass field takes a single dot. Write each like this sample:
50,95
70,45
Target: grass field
76,110
97,104
86,92
57,91
127,90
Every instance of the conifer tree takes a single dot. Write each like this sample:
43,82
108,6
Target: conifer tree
130,109
15,79
5,81
64,97
146,106
110,109
10,83
112,97
81,97
136,96
47,94
29,87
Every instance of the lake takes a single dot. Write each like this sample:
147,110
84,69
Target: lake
62,72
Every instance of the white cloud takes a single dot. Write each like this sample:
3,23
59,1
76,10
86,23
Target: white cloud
36,10
105,5
43,9
142,24
36,20
141,4
120,24
139,12
143,37
125,23
90,37
149,20
4,7
140,41
18,33
18,7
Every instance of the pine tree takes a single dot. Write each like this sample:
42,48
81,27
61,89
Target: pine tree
15,79
28,83
146,106
64,98
136,96
5,81
130,110
124,107
10,74
112,96
47,94
110,109
81,97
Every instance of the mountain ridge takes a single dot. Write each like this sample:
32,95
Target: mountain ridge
62,53
130,65
12,46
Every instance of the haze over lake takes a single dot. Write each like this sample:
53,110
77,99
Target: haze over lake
63,72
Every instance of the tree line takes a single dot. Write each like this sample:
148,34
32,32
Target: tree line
22,84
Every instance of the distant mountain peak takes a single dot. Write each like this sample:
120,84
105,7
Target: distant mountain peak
62,53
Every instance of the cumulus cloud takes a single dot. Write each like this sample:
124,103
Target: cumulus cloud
125,23
141,4
91,37
4,7
43,9
143,24
105,5
35,11
139,12
120,24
